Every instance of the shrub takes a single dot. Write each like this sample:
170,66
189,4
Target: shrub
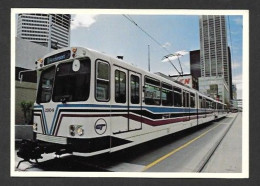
26,107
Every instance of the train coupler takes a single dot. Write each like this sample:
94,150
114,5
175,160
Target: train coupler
29,150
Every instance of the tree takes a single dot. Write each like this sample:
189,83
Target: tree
26,107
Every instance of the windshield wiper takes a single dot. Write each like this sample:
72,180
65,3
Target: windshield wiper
65,98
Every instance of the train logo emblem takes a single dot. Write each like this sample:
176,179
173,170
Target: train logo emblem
100,126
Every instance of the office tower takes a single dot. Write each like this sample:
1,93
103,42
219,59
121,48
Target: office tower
215,57
213,45
50,30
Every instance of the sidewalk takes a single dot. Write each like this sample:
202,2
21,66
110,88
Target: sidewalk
228,156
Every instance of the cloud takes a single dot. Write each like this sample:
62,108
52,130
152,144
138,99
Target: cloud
238,20
236,65
167,44
83,20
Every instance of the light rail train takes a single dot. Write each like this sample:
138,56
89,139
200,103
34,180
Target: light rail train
89,103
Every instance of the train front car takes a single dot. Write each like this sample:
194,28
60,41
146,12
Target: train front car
64,113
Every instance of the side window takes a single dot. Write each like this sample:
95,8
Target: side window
219,106
207,103
211,104
120,86
204,103
177,97
102,81
135,87
188,99
152,92
184,102
46,85
167,98
192,100
214,105
200,102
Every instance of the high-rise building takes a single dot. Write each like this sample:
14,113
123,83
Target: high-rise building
195,69
215,58
50,30
213,47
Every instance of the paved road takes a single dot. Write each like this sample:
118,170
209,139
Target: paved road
182,152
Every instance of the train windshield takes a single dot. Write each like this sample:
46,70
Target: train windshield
71,82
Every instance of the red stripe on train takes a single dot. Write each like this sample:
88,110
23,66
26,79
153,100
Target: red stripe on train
131,116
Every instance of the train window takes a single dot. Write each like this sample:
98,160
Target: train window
185,99
177,97
167,98
200,102
135,84
207,104
152,92
192,100
213,105
188,99
120,86
102,81
46,85
203,103
210,104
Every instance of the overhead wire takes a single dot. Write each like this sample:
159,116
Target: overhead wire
157,42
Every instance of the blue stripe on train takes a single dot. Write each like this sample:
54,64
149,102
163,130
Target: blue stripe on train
152,109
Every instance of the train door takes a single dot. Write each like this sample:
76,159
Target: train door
119,101
134,101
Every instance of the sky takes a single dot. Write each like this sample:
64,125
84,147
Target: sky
115,35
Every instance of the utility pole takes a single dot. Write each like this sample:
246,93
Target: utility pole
149,58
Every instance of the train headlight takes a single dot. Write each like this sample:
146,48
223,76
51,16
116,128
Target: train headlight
80,131
76,129
35,126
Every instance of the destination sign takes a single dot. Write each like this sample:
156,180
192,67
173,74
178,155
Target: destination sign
57,57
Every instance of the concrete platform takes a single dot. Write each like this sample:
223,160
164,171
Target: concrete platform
228,156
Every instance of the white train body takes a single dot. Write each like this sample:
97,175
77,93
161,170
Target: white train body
93,103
